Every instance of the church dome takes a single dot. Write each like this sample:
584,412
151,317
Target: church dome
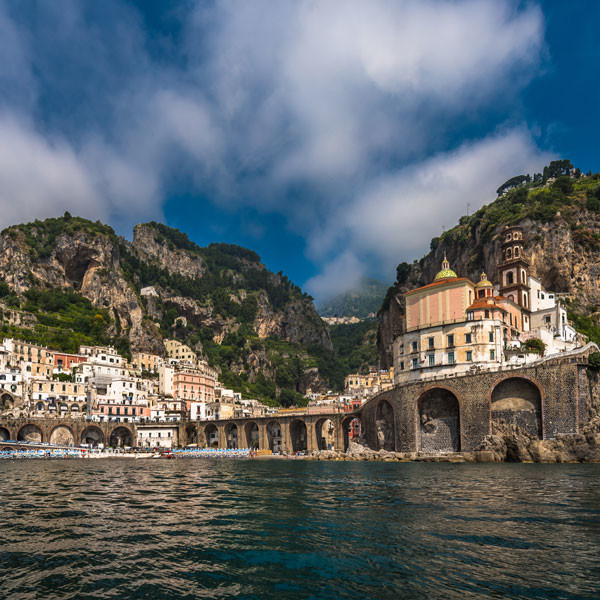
484,282
446,272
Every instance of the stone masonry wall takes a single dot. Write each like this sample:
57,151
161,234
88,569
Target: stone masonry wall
562,385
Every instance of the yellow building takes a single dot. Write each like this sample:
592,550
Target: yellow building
178,351
60,398
146,362
32,360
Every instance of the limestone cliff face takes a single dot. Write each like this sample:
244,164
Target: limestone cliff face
217,289
558,254
88,264
148,244
298,322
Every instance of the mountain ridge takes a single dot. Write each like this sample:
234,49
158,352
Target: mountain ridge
559,212
258,327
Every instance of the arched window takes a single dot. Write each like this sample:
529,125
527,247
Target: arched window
509,278
516,251
508,253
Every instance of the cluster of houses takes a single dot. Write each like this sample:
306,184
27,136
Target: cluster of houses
99,384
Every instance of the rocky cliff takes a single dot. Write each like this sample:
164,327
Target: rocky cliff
561,227
220,299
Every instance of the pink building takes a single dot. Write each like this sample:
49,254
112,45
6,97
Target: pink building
444,301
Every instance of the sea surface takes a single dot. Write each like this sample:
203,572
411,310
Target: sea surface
297,529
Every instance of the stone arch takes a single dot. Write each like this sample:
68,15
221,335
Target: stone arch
298,435
274,437
385,426
438,423
4,434
232,436
39,407
62,435
121,437
252,435
92,436
516,402
351,426
7,402
191,434
324,432
211,436
30,433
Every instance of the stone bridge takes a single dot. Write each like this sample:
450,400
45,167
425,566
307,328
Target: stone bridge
286,432
453,414
293,432
66,432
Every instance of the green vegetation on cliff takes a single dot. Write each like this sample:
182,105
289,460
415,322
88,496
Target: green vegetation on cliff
57,319
68,281
539,198
559,209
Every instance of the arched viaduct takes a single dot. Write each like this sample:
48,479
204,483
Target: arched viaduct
288,432
66,432
452,414
296,432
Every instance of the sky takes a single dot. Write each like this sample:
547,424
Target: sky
333,137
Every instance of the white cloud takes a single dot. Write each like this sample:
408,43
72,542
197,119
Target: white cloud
397,215
41,178
342,273
337,114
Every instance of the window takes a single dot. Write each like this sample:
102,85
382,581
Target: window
491,336
414,346
492,355
547,319
516,251
432,360
467,338
451,340
470,315
469,356
431,342
487,313
451,359
415,363
509,278
509,253
402,365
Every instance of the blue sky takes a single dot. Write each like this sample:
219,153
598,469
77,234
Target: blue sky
335,138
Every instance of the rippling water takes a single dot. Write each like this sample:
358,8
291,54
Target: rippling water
298,529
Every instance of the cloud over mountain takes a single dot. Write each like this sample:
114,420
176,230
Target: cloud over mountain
348,118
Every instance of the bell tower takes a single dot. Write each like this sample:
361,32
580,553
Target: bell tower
513,269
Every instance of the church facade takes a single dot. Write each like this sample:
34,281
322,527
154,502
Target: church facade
455,326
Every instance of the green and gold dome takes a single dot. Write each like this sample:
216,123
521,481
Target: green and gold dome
446,272
483,282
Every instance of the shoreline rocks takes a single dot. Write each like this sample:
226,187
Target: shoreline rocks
515,446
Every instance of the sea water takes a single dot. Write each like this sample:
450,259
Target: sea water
120,528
